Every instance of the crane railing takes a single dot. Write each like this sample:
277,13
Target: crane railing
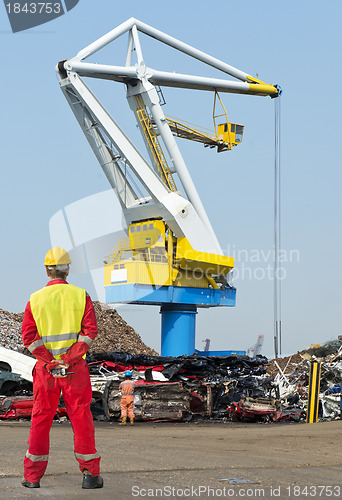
154,144
121,247
192,132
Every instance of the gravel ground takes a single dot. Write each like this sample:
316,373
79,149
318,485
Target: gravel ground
285,461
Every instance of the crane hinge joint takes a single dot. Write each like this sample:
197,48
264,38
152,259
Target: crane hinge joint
280,91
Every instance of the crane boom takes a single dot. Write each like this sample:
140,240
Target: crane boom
167,79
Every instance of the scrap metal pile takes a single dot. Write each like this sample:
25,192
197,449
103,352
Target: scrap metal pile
217,387
20,407
182,387
10,330
229,387
291,375
114,333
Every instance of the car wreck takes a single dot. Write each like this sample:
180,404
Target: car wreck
15,372
152,400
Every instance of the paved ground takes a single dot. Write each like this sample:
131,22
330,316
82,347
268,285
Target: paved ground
211,460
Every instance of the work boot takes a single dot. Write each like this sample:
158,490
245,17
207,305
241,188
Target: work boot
132,421
123,421
91,482
27,484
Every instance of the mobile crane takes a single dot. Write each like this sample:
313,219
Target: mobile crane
171,256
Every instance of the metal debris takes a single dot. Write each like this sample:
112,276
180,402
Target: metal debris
291,374
115,334
16,407
236,387
152,400
205,386
10,330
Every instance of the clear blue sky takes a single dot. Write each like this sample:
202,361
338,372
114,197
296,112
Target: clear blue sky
47,164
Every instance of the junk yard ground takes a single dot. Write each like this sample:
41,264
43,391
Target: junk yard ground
148,460
206,428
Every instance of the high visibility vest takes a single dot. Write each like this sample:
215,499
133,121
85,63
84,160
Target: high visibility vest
127,388
58,311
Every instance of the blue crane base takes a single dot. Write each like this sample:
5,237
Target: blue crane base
178,308
178,330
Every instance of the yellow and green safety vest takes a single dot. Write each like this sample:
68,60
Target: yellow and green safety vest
58,311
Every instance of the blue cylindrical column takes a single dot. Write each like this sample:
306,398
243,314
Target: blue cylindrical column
178,329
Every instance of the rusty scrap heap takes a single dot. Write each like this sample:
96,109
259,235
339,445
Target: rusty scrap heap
10,330
114,333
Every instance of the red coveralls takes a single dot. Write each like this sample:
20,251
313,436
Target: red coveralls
127,398
76,390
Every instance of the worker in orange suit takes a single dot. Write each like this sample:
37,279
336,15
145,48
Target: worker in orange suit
127,399
59,326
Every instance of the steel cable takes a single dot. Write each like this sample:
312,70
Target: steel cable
277,230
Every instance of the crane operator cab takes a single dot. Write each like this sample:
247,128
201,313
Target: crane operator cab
230,133
227,134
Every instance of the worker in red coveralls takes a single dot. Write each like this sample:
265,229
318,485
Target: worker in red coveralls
127,399
58,328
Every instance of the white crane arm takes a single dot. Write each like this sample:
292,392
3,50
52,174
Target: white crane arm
133,25
178,213
168,79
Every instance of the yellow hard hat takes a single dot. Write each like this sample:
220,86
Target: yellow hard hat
57,256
